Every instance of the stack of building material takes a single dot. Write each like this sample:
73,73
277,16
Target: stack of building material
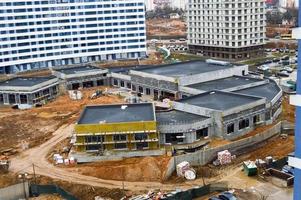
224,157
184,170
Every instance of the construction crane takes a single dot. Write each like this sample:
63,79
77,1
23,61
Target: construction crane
296,100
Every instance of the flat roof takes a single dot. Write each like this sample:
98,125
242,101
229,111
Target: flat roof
224,83
175,116
218,100
269,90
78,69
117,113
183,69
126,69
26,81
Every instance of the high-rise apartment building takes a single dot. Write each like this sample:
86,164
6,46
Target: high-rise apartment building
227,29
44,33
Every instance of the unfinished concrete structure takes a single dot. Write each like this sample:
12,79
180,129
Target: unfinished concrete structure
28,90
81,76
165,81
111,129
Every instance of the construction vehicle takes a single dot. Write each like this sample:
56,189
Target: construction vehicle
4,164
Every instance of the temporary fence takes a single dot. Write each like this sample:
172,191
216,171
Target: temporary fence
37,190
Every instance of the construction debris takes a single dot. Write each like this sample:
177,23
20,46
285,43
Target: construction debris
75,94
4,164
96,94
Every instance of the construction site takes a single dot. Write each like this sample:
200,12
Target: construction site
42,141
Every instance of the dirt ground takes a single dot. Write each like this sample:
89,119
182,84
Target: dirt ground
33,127
288,111
84,192
47,197
165,27
272,30
130,169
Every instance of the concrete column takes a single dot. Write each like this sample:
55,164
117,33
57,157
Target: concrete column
5,99
94,83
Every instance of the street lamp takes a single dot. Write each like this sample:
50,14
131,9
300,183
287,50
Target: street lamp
24,177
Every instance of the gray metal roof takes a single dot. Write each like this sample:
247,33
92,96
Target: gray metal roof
221,84
26,81
218,100
183,69
175,117
269,90
78,69
115,113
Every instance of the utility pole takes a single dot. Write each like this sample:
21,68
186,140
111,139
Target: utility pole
34,174
296,100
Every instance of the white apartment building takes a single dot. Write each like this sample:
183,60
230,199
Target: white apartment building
228,29
44,33
181,4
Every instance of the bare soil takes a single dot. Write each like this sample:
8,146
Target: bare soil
130,169
35,126
165,27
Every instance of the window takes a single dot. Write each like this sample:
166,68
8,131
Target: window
256,119
140,89
140,136
230,128
141,145
95,147
120,146
1,99
23,99
201,133
115,82
119,137
128,85
243,124
121,83
147,91
174,138
94,139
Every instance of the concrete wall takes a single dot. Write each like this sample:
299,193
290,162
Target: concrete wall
203,157
15,192
209,76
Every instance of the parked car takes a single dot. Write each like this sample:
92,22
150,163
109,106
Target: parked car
227,196
288,69
182,40
263,68
283,74
214,198
172,40
285,58
268,62
276,60
154,40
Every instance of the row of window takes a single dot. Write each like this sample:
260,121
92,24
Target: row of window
76,38
242,124
71,52
23,3
32,49
52,20
31,45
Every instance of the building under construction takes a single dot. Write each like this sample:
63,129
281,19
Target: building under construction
111,129
28,90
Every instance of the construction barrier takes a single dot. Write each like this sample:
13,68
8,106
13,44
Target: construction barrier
37,190
197,192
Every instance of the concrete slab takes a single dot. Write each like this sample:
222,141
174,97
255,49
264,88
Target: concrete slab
269,90
78,69
175,117
183,69
224,83
117,113
25,81
218,100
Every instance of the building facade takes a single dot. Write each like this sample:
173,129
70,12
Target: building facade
46,33
106,129
225,29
